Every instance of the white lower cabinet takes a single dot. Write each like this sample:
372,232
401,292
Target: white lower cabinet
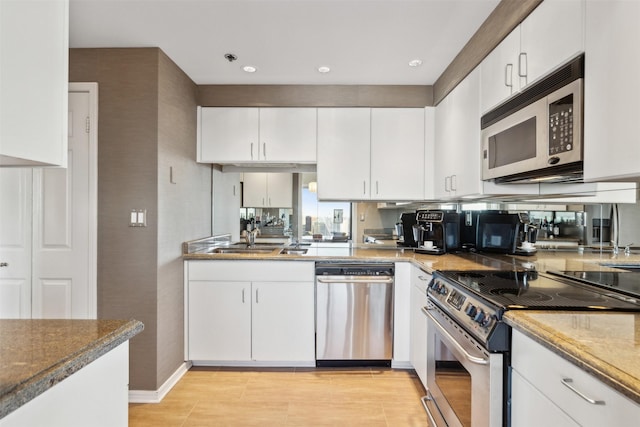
401,316
549,390
250,311
97,395
419,282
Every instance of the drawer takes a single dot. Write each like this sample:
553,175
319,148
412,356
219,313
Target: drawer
546,371
251,271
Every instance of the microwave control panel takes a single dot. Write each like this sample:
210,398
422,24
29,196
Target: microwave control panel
561,126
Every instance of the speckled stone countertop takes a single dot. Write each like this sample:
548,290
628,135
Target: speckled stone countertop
607,345
542,260
35,355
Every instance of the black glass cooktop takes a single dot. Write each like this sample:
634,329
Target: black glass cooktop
537,291
626,282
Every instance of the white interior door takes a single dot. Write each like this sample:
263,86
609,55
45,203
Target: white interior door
15,243
64,225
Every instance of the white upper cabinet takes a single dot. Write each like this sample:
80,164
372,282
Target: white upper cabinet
34,57
551,35
397,153
288,135
612,90
344,143
266,190
500,72
260,135
371,153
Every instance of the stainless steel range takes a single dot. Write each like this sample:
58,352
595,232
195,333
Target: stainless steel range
468,385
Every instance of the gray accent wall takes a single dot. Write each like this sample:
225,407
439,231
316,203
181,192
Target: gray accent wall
147,124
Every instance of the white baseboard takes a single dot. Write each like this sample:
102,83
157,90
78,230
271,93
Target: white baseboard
400,364
156,396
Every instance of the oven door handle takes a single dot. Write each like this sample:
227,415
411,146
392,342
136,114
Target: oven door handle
443,331
424,400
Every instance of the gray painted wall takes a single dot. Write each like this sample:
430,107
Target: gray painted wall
147,122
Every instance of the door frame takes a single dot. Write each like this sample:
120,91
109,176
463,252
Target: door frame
92,286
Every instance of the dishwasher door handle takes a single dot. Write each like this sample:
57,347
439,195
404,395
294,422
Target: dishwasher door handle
386,280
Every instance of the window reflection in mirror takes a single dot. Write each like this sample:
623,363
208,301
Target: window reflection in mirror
322,221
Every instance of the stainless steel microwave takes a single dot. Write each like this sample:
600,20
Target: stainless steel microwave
537,135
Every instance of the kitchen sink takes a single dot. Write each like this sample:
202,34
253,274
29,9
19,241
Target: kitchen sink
293,251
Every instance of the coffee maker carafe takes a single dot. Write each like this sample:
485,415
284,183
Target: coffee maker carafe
439,232
408,220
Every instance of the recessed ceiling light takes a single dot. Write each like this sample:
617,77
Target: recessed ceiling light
324,69
415,63
249,69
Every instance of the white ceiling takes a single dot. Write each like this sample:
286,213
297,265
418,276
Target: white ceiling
363,41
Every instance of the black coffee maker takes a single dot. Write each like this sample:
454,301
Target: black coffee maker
438,232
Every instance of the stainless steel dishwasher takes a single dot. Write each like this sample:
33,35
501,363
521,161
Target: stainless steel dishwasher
354,314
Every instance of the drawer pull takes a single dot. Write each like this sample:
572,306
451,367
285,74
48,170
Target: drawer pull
567,382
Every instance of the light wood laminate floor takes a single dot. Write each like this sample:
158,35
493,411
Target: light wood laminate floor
288,397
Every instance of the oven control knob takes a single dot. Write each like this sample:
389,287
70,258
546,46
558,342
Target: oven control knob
471,310
486,322
442,290
480,317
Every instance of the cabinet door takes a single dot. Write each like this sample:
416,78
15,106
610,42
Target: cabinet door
419,282
228,135
429,151
465,144
397,144
499,72
283,321
611,149
288,135
34,59
530,408
219,320
444,128
254,190
552,34
279,190
344,140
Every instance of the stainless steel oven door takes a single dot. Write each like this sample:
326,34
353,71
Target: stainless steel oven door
465,392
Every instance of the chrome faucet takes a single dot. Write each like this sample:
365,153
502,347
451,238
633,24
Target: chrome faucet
627,249
250,236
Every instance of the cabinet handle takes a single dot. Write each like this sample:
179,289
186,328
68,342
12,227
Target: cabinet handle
567,383
454,182
364,187
243,295
269,201
508,76
377,192
424,279
522,64
252,151
257,296
447,183
264,150
263,204
234,190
